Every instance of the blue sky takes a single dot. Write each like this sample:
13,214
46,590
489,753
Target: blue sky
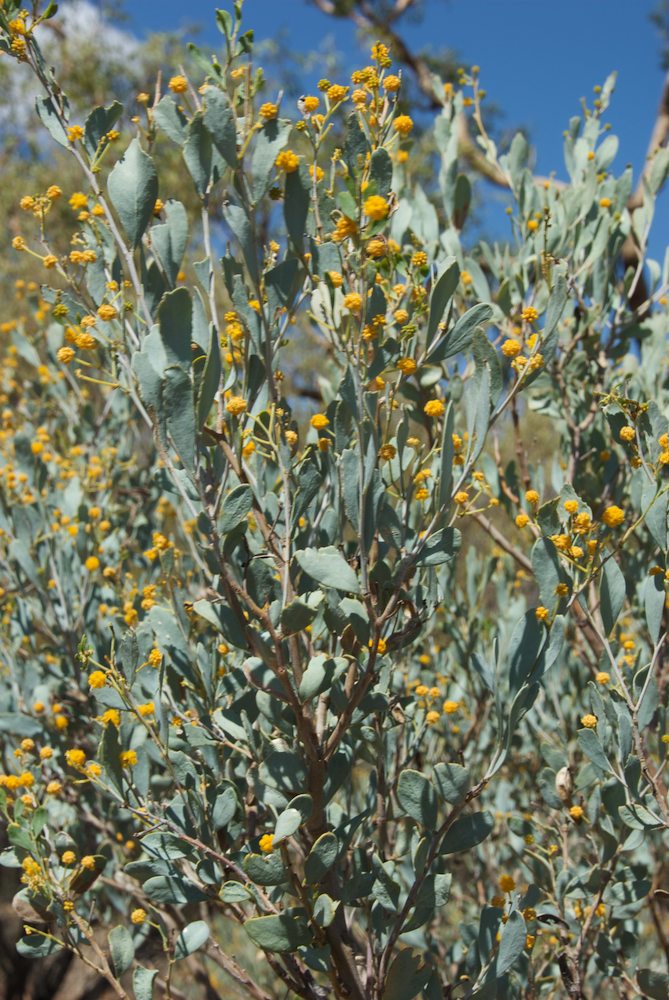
537,58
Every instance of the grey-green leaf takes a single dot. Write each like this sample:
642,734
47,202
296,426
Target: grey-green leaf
265,869
442,293
191,939
49,117
406,977
321,858
467,832
590,744
612,594
197,153
142,982
328,567
175,317
417,797
237,504
121,949
98,123
220,120
133,189
451,781
654,984
169,240
286,825
460,336
280,932
170,120
511,946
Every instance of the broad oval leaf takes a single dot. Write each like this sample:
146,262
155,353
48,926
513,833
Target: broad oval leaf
192,937
279,932
328,567
133,189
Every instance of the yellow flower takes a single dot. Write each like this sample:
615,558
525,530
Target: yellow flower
75,132
511,348
107,312
268,111
75,757
450,707
506,883
582,522
571,506
387,451
376,248
178,84
68,858
128,758
353,302
53,788
434,408
155,657
613,516
97,679
627,433
319,421
406,365
576,813
605,203
541,613
111,717
88,861
310,103
288,161
148,708
602,677
522,520
532,225
92,563
138,916
529,314
236,405
532,496
403,125
336,93
432,718
391,83
78,201
376,207
265,843
344,229
381,54
589,721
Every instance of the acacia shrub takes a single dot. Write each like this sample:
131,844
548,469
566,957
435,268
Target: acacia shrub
257,684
